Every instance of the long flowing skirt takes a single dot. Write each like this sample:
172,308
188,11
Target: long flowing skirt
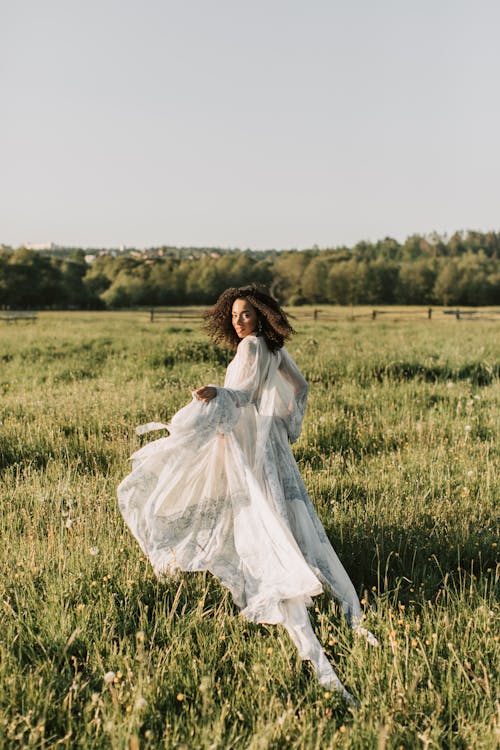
202,499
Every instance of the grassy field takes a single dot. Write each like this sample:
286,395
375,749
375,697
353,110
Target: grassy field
399,455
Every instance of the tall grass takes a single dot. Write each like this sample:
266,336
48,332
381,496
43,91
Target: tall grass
399,453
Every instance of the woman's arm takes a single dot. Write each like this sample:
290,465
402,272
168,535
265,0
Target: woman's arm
245,381
297,405
291,372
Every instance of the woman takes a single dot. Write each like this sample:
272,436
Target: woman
223,492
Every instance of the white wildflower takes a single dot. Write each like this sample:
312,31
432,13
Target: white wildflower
204,684
470,473
140,703
109,676
94,550
68,523
467,428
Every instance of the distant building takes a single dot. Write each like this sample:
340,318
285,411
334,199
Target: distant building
41,246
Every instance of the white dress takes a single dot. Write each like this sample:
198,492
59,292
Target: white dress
223,493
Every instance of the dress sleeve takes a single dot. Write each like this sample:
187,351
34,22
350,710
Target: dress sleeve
297,407
292,373
246,379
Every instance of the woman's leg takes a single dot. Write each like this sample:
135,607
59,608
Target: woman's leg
300,630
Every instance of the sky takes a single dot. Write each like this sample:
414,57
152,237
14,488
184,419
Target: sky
247,123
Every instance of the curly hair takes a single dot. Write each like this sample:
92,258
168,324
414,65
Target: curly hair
273,323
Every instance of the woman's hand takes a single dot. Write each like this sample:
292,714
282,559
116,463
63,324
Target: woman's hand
205,393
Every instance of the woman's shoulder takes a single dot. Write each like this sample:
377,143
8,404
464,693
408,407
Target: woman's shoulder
252,343
251,340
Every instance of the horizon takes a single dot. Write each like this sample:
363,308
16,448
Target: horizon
428,236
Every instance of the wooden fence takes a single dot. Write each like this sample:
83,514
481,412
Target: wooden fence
337,314
12,316
397,314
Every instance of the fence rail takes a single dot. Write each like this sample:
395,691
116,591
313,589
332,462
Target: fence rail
336,315
12,316
181,313
322,315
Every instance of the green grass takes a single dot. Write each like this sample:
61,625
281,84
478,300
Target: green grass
399,453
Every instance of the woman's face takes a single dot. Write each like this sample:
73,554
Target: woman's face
244,317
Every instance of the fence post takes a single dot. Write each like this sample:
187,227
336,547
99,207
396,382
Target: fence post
374,315
151,315
429,313
457,314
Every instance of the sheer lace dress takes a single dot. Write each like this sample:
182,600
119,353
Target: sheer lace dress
223,493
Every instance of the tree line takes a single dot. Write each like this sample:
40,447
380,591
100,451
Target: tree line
460,270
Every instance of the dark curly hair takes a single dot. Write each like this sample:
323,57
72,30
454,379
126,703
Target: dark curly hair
273,323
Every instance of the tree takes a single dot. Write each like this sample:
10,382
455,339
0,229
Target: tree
342,282
288,270
447,287
416,282
315,281
380,282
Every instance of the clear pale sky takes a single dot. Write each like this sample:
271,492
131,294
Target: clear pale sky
247,123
